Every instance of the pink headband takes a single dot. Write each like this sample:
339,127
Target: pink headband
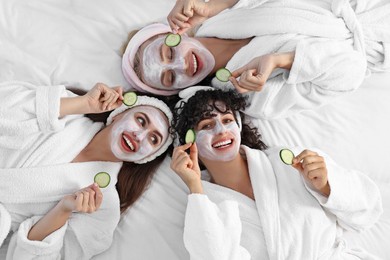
128,58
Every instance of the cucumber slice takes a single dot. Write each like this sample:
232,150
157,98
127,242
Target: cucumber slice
190,136
286,156
223,74
172,40
130,98
102,179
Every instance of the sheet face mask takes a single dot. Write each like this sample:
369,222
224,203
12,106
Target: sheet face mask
188,51
204,141
130,126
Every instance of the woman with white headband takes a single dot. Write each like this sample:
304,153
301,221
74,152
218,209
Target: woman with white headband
248,203
59,169
300,57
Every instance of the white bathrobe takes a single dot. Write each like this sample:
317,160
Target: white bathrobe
36,149
334,42
287,220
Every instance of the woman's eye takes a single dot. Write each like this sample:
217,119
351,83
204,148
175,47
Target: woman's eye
227,121
154,139
171,77
206,126
141,121
170,54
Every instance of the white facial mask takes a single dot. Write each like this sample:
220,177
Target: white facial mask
130,141
188,57
206,138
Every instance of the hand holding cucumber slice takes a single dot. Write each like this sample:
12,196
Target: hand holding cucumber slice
190,136
286,156
102,179
223,74
172,40
130,98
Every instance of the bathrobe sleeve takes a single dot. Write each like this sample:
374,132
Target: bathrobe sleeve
322,70
354,199
26,109
213,231
82,237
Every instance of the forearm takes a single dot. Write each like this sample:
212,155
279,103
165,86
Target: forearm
284,60
218,6
196,187
49,223
73,105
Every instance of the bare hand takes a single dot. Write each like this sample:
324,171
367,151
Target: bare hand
254,74
313,169
87,200
186,14
102,98
187,166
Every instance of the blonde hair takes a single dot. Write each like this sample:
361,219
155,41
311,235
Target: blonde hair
137,58
136,62
129,37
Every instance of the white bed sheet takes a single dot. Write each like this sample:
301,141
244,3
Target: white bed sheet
77,43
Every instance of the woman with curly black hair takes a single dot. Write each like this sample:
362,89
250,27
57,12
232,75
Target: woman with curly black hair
254,205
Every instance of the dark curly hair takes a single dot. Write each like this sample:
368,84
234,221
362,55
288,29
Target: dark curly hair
188,114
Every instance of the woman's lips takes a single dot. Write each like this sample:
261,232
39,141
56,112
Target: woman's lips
195,65
223,143
128,143
199,64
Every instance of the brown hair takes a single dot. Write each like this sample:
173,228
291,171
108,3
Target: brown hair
133,179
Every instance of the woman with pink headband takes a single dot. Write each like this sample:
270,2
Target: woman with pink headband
282,73
52,157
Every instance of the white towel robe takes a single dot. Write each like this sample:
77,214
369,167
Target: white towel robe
293,221
331,52
36,149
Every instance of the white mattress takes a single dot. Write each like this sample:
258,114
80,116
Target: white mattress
77,43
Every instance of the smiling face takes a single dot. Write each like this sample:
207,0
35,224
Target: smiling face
218,137
164,67
138,133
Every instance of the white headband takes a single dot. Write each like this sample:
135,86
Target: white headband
147,101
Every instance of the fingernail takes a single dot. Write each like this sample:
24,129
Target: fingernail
95,184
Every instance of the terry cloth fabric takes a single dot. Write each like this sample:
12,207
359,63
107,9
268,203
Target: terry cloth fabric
367,22
213,222
29,193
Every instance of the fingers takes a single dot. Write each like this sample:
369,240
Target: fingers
304,154
119,90
177,19
237,86
98,196
109,99
181,161
180,25
310,164
250,80
177,149
194,153
237,73
89,199
188,9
